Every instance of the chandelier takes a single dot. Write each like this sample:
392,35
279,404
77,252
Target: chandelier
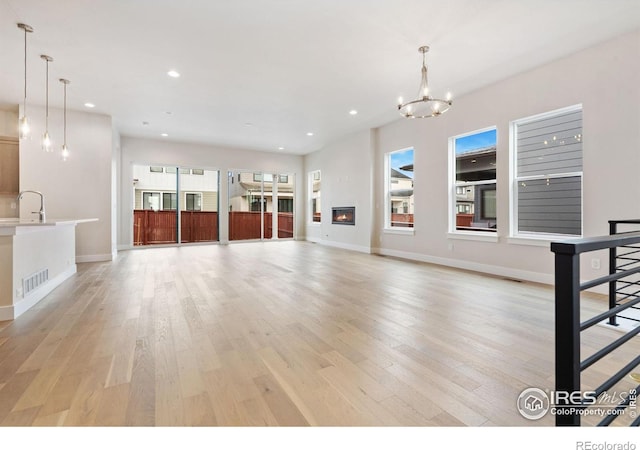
424,105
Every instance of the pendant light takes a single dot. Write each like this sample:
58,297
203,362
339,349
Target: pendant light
65,149
23,124
46,140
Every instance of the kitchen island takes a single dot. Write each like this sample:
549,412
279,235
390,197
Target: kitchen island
35,258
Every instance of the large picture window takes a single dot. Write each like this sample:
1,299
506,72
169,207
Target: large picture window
547,173
474,174
399,208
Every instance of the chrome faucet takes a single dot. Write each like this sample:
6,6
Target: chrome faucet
40,213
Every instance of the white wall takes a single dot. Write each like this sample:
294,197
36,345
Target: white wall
604,79
346,175
77,188
156,152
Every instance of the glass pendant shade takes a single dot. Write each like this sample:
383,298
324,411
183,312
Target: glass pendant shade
23,127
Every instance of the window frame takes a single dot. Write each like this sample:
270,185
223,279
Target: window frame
311,178
186,200
488,235
387,227
529,237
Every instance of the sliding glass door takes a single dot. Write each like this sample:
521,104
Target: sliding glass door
174,204
259,203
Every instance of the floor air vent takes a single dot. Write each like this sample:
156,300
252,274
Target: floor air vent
34,280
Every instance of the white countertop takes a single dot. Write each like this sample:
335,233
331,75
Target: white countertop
9,225
16,222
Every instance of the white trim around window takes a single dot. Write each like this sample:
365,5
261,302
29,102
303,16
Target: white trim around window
455,186
548,168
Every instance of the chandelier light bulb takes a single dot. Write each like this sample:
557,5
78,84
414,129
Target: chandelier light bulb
400,101
448,97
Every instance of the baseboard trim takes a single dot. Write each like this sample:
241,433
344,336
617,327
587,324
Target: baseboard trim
342,245
501,271
15,311
94,258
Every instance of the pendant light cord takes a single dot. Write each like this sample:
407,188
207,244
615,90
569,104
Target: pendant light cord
64,132
46,122
24,109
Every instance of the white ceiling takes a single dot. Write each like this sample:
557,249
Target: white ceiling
260,74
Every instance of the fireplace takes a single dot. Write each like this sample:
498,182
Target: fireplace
345,215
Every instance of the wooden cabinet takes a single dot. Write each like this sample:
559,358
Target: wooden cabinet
9,165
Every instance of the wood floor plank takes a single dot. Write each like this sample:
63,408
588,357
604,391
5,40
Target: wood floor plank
284,334
13,390
284,410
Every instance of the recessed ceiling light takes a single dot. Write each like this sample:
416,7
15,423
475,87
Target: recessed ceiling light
309,133
89,105
145,123
164,135
173,74
280,148
168,112
353,112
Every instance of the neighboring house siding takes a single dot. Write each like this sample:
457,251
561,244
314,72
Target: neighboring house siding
209,201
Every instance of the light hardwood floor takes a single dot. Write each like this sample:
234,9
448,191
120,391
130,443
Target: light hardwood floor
283,333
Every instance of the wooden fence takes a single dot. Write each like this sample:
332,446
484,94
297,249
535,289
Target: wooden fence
401,220
246,225
160,227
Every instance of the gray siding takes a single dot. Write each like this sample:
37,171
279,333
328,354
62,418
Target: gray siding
553,206
550,146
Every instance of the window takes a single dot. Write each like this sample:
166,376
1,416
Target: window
314,196
151,200
285,205
197,171
399,189
473,206
170,169
155,169
169,201
547,173
268,178
193,202
283,178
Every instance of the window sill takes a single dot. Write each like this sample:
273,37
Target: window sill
474,236
408,231
538,241
313,224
